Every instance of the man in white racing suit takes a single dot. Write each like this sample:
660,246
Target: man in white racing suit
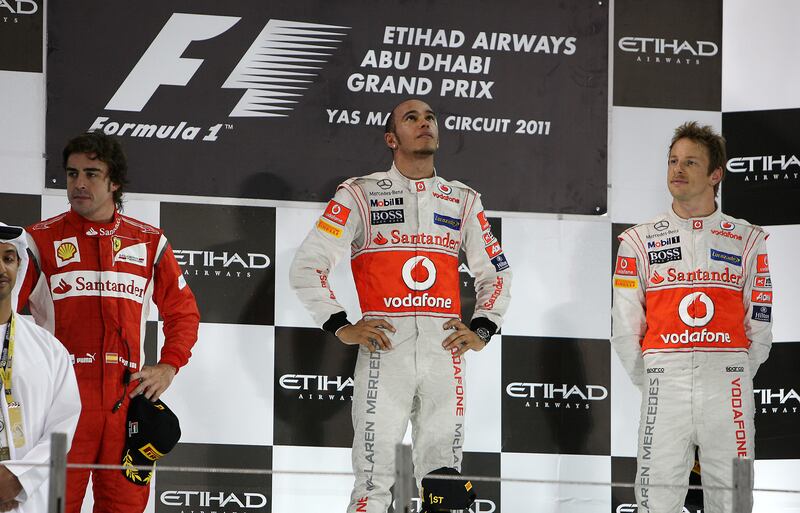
692,323
404,229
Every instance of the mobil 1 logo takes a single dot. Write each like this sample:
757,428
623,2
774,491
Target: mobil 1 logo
184,492
558,388
226,254
313,388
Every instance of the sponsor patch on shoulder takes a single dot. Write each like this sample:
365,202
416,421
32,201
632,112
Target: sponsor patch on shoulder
500,263
336,212
762,282
450,222
762,264
328,228
626,283
762,313
761,296
726,257
626,266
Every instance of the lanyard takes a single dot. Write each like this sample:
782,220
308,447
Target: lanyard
14,408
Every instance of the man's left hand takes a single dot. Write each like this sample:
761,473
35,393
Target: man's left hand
153,380
9,486
463,339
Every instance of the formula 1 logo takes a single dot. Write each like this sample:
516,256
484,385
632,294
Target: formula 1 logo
419,273
273,72
696,309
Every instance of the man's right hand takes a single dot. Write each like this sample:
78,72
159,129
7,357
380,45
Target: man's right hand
368,333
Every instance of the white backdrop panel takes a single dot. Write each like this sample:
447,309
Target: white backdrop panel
638,159
760,55
555,498
225,394
293,493
22,100
292,226
561,284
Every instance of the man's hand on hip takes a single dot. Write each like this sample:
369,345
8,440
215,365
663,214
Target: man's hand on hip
9,488
463,339
153,380
368,333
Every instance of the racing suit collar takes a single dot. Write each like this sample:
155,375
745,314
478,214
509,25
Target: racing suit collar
92,229
696,222
409,183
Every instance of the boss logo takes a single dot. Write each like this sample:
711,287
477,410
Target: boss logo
665,255
655,370
387,216
734,369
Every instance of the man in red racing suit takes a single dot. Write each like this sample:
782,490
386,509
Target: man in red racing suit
94,272
692,323
404,229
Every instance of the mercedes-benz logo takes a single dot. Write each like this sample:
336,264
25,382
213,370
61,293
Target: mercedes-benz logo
385,183
661,225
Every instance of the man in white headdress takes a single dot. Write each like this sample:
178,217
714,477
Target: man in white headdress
40,393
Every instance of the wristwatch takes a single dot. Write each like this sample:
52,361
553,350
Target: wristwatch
484,334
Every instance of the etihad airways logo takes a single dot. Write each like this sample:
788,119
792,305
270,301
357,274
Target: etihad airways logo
221,264
234,501
318,387
660,50
98,283
557,395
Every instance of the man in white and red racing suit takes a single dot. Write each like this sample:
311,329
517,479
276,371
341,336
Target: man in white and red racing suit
90,283
691,324
404,236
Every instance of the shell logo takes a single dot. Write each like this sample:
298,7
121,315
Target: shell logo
66,251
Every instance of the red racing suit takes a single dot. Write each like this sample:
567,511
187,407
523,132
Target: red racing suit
91,284
404,237
692,323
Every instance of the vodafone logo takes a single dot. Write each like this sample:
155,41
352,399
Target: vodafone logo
696,309
419,273
446,189
727,226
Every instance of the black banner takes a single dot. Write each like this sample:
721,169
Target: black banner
284,100
313,388
184,492
776,389
762,175
227,255
21,32
666,58
558,388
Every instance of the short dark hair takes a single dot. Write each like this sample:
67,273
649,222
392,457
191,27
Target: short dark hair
390,127
708,137
106,149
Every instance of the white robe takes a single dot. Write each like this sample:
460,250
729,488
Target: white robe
44,382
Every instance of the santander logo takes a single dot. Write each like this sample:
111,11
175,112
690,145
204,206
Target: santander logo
380,240
656,278
62,287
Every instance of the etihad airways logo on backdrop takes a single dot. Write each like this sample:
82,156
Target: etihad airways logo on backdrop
221,264
659,50
766,167
557,395
98,283
318,387
274,73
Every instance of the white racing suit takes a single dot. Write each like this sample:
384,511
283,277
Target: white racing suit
692,323
404,237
